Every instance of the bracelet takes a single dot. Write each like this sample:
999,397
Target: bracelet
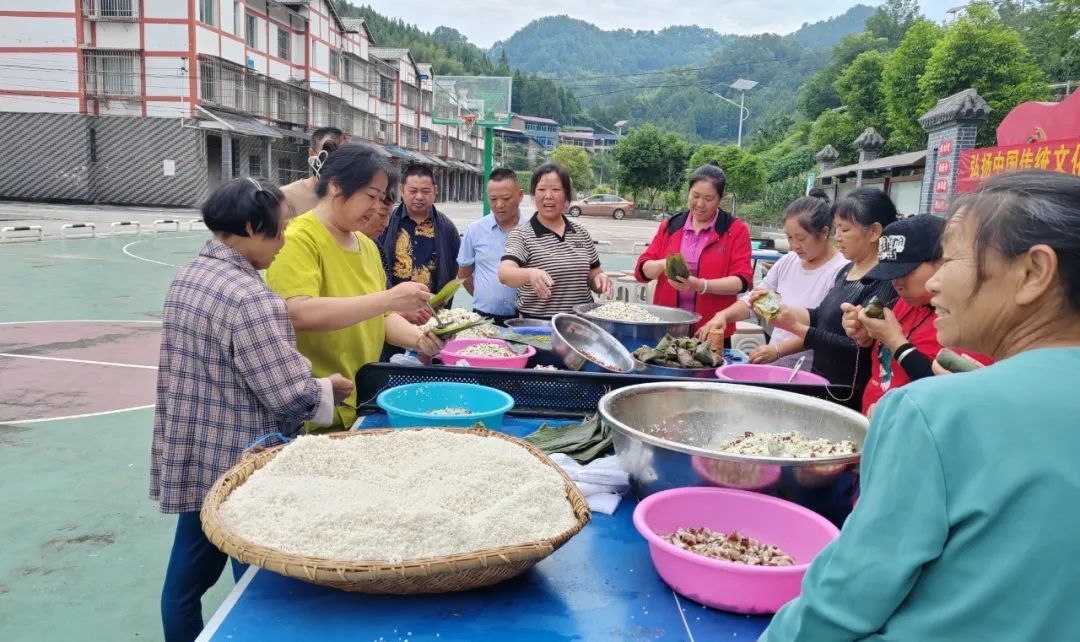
704,286
776,349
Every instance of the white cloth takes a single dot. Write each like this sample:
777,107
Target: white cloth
601,481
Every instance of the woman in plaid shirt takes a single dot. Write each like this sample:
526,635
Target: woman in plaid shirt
228,373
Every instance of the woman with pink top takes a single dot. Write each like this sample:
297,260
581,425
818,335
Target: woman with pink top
801,277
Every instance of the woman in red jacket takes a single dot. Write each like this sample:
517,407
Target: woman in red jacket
716,246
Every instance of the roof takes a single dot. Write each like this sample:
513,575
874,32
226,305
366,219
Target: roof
870,139
307,3
388,53
355,25
886,162
966,105
536,119
243,125
577,135
827,154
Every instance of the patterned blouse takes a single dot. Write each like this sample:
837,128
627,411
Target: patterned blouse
228,373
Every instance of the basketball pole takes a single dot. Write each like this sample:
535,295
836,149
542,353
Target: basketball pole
489,152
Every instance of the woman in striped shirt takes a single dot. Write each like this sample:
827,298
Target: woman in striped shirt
552,261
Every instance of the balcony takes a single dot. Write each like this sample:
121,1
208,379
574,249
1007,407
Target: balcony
111,10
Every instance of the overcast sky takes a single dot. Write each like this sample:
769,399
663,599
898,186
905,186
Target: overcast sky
486,21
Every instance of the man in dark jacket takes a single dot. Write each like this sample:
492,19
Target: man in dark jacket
420,243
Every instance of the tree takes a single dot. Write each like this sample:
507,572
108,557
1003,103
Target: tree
892,20
979,51
859,88
838,129
577,163
745,171
904,102
651,160
819,93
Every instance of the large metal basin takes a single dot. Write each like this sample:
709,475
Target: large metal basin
674,321
667,434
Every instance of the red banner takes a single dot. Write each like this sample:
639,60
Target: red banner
1056,156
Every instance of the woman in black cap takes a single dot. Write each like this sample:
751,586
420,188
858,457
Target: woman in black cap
904,342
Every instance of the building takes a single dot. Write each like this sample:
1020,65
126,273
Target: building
159,101
543,130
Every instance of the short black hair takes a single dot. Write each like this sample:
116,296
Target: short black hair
416,169
242,202
324,132
502,174
558,170
711,174
866,206
812,213
352,167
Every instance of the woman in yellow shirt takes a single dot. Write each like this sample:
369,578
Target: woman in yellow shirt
332,278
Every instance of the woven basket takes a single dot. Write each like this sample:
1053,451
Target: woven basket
431,575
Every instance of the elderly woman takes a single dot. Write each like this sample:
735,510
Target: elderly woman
228,374
802,277
332,277
716,246
965,528
551,260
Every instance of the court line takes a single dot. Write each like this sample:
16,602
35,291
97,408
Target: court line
157,321
678,607
82,416
83,361
143,258
226,607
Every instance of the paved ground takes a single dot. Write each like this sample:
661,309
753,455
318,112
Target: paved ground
622,235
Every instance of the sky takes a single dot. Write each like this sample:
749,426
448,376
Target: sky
475,18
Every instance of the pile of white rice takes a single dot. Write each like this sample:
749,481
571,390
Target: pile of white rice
400,496
626,312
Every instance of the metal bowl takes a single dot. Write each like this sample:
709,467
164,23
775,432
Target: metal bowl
664,371
527,323
573,337
666,435
674,321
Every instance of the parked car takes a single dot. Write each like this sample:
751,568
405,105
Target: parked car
611,205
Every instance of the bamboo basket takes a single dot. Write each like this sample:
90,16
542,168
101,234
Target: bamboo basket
430,575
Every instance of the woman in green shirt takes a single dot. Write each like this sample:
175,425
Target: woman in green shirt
967,528
332,277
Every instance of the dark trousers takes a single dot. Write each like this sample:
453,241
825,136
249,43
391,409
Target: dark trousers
194,566
497,319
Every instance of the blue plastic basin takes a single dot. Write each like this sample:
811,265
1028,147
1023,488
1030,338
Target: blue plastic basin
412,404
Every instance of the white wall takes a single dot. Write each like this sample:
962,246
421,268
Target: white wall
298,47
35,104
38,5
260,63
167,109
320,59
39,71
38,32
165,76
280,71
166,37
118,35
163,8
233,51
121,108
206,41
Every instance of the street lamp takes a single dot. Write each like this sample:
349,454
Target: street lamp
742,86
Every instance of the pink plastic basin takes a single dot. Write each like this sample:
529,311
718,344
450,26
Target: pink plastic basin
766,374
451,357
740,588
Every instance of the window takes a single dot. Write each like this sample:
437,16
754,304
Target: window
251,35
386,89
111,73
208,11
283,41
255,165
110,8
335,63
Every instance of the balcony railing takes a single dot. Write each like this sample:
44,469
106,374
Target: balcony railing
112,73
118,10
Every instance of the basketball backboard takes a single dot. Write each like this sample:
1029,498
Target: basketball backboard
485,97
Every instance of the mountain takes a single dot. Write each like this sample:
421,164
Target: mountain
563,47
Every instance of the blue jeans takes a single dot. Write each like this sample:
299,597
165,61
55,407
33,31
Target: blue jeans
194,566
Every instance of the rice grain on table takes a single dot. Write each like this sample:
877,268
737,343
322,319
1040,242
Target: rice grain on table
400,496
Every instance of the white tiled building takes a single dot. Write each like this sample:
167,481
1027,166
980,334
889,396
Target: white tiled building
158,101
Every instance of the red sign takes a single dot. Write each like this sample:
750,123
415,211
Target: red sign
941,186
940,205
944,167
1056,156
945,148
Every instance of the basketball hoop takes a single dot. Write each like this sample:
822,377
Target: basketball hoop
469,122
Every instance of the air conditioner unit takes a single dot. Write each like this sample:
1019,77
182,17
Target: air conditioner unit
250,63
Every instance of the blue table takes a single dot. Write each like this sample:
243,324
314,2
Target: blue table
600,586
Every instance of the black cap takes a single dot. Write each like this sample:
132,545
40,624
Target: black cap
905,245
